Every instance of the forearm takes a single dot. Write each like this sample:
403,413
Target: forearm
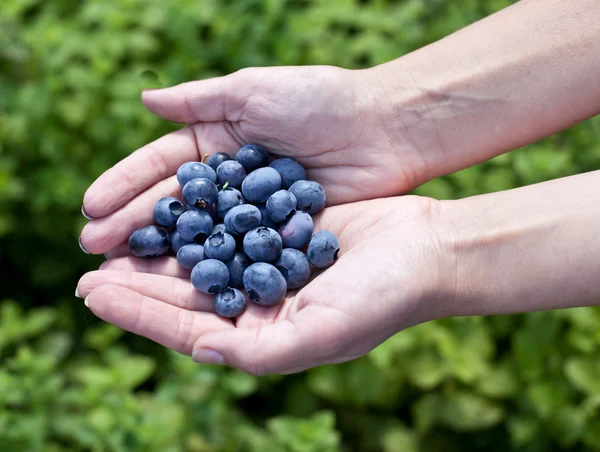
531,248
510,79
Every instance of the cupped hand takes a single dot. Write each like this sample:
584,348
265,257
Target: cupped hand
387,278
326,117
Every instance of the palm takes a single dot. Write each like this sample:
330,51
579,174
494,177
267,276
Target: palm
341,314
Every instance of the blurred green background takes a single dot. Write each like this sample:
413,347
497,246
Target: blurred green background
70,79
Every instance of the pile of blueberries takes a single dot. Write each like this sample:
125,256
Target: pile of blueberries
244,223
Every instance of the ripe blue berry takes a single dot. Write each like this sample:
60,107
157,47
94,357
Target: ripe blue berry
149,241
230,303
220,246
231,171
323,249
200,192
241,219
189,255
264,284
167,210
216,159
310,195
294,267
195,226
236,265
290,170
210,276
297,230
260,184
176,240
193,170
264,218
219,228
280,204
262,244
228,198
252,156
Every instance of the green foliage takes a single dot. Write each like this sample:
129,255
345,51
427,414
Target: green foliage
70,78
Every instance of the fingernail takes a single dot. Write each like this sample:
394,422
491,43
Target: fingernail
106,256
82,247
85,214
207,356
86,302
77,293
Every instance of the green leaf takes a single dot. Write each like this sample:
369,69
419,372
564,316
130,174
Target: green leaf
464,411
584,373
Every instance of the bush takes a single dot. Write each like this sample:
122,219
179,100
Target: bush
70,79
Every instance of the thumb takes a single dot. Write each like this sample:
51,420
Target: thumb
215,99
286,346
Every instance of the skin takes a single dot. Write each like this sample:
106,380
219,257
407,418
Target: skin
513,78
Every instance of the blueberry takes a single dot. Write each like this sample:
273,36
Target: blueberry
323,249
290,170
193,170
264,284
176,240
231,171
241,219
262,244
189,255
200,192
260,184
167,210
210,276
195,226
220,246
252,156
236,265
311,196
264,218
280,204
149,241
219,228
294,267
297,230
228,198
216,159
230,303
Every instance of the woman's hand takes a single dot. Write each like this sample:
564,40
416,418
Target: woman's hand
326,117
386,279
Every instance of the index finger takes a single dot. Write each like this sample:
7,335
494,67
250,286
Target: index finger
142,169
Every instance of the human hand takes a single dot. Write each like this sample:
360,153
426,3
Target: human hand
385,279
325,117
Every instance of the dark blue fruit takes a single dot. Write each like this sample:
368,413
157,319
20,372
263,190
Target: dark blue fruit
210,276
195,226
264,284
252,156
260,184
216,159
220,246
236,265
262,244
200,192
280,204
189,255
176,240
228,198
290,170
149,241
294,267
241,219
167,210
219,228
297,230
323,249
230,303
310,195
193,170
264,218
231,171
